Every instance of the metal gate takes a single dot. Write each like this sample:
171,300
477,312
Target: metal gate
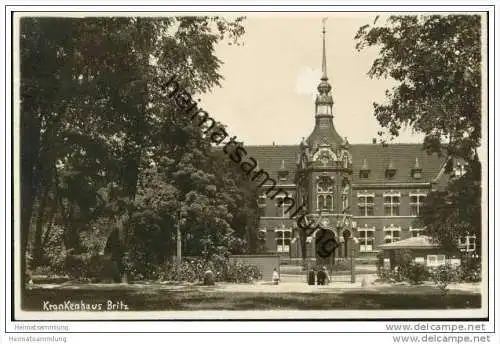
339,269
343,270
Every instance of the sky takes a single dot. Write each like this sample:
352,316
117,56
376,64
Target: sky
270,81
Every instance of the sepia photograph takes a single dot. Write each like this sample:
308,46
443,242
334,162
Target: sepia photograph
250,165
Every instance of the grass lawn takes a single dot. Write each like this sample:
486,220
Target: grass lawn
154,299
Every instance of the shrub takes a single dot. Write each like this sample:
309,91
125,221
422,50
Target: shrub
193,270
242,273
209,278
470,271
87,266
415,273
53,256
391,276
380,260
384,274
444,275
44,270
77,265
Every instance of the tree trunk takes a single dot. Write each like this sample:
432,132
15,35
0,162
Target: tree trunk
30,133
50,223
70,236
37,247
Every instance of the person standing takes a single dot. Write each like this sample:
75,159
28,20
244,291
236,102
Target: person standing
321,276
276,276
327,276
311,277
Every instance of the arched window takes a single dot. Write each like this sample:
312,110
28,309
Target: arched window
329,202
321,202
324,190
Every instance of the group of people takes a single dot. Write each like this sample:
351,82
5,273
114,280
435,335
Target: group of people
318,276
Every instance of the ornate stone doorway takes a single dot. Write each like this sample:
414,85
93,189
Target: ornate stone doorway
326,243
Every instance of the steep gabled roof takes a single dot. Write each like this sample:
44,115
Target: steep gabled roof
270,158
378,157
401,156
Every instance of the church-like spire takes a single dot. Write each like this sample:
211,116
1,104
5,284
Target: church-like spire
324,86
323,64
324,130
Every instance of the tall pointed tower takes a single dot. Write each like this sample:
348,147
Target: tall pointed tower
324,130
324,174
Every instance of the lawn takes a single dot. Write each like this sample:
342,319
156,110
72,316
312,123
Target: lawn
157,299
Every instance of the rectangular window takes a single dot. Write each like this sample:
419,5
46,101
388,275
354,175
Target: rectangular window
420,260
391,204
416,202
365,205
283,238
468,243
436,260
392,234
415,232
366,239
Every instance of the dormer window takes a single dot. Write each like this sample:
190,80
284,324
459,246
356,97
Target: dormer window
390,171
416,170
283,172
261,234
364,172
261,202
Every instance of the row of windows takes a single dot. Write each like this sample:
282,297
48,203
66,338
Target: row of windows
366,203
366,239
392,203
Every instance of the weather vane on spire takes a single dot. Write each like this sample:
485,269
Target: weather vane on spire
324,23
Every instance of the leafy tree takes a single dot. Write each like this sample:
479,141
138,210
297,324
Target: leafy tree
436,60
93,112
455,212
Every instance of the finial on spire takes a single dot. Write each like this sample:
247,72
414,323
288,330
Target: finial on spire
323,65
365,165
324,87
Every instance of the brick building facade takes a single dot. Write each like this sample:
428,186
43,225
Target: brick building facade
365,195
